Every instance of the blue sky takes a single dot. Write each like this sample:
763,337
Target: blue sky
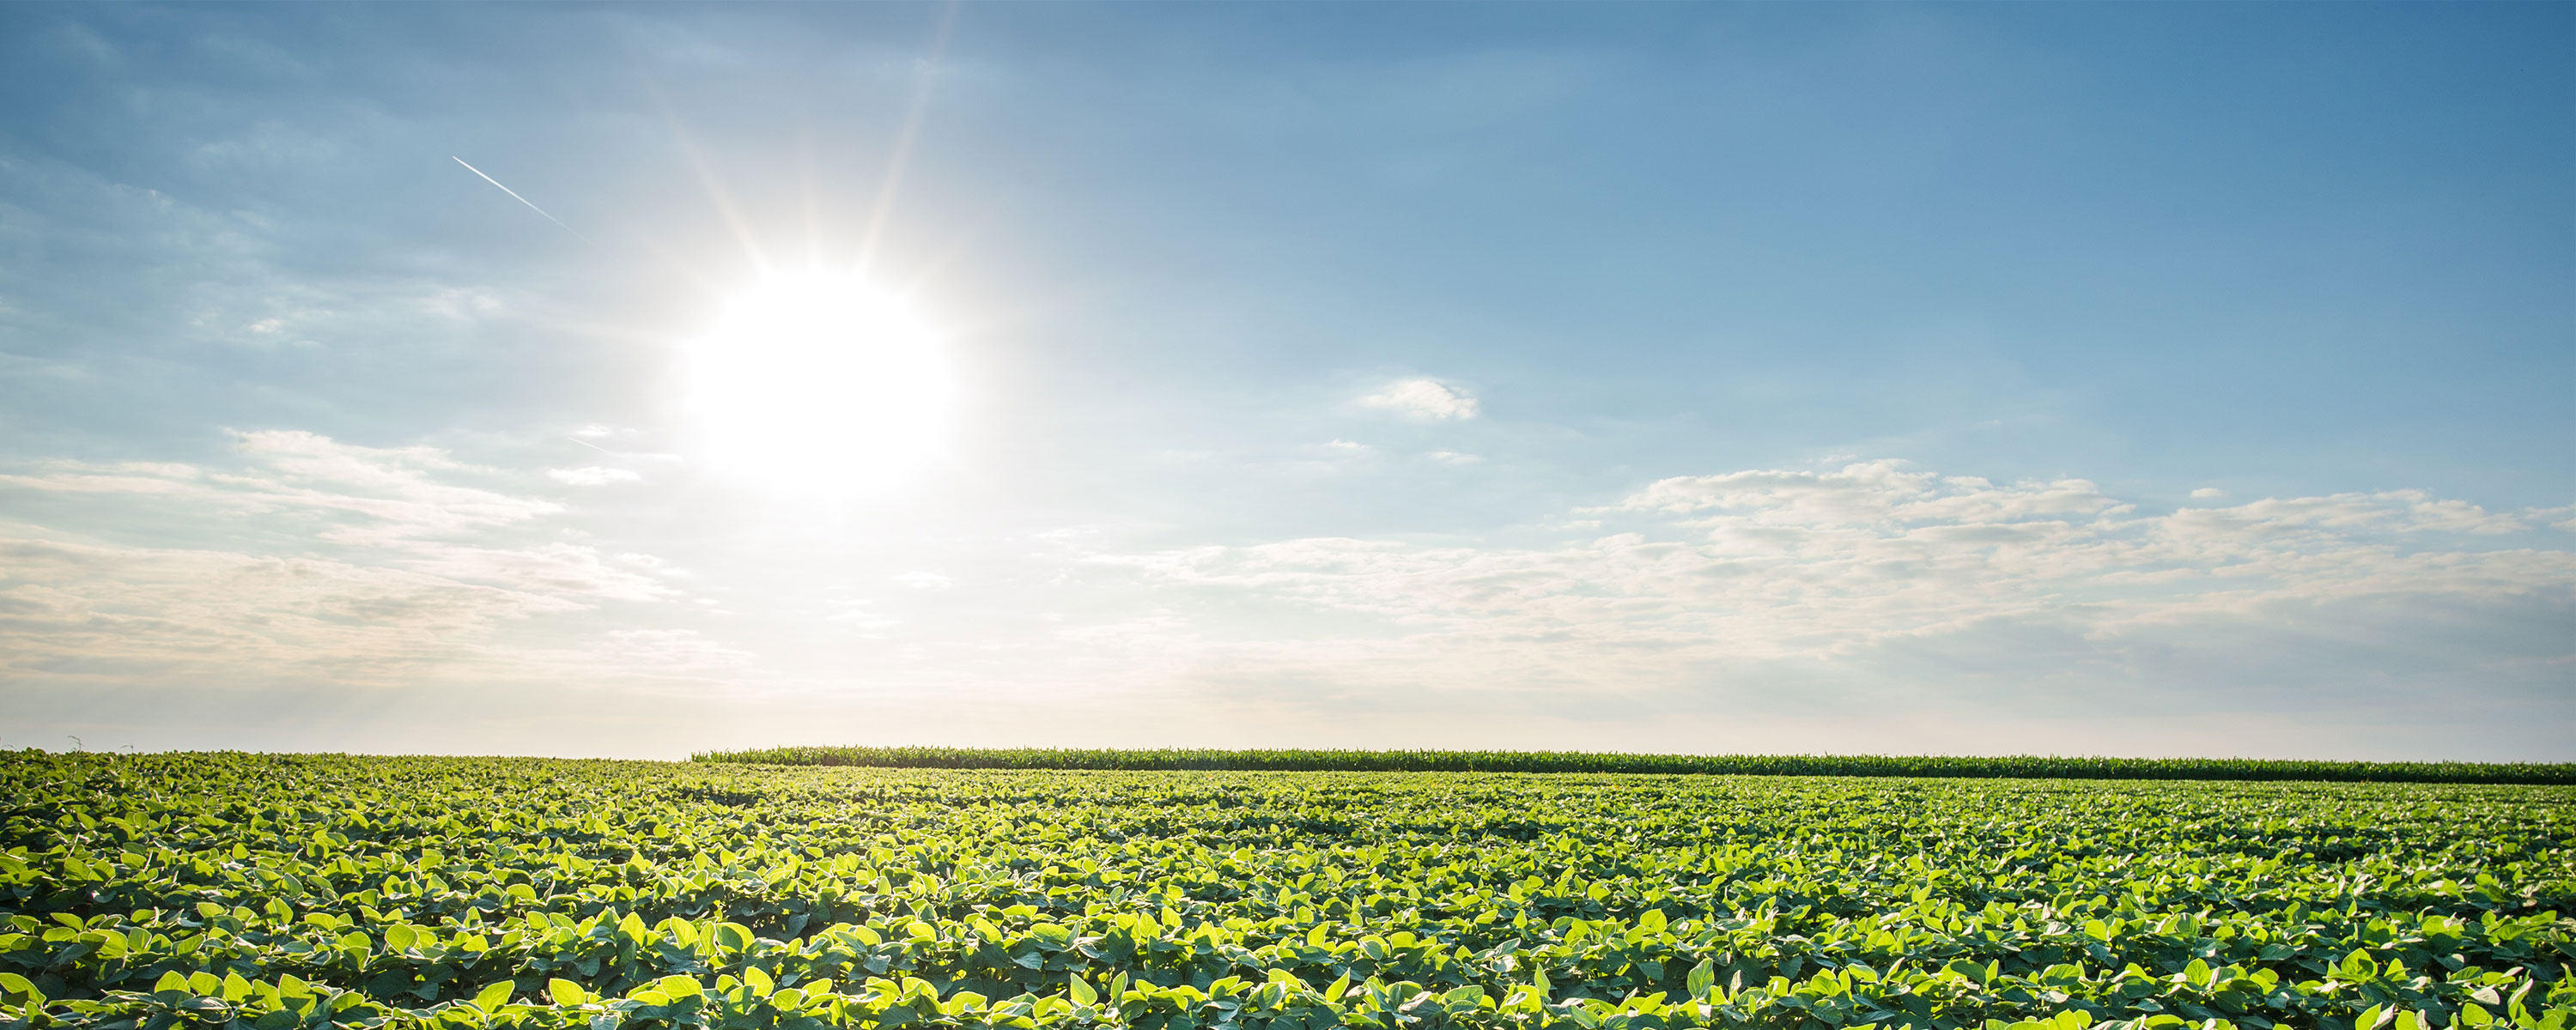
2127,379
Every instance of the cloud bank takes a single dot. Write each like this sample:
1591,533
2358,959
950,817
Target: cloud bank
315,562
1874,606
1877,585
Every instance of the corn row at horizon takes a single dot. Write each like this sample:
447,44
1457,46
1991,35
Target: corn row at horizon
283,891
1322,760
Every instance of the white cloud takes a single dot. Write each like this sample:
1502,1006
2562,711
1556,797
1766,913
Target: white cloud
313,559
1875,493
922,581
592,475
1721,583
71,608
2208,493
354,494
1422,399
679,649
1455,458
858,616
1784,599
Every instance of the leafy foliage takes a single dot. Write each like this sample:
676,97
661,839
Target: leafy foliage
2018,767
306,891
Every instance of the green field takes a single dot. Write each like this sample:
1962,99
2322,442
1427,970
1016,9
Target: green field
277,891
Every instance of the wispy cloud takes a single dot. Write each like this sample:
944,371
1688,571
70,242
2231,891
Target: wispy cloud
592,475
312,559
353,494
922,580
1729,589
1422,399
1793,599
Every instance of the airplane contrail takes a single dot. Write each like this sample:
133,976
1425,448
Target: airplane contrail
514,195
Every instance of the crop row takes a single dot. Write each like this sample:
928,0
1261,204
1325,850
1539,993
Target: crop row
289,891
2017,767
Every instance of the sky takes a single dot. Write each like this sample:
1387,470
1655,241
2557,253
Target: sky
631,380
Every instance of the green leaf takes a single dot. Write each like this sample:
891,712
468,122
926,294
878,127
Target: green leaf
678,986
1703,977
495,994
1082,992
565,992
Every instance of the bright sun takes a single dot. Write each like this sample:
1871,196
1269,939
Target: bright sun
817,379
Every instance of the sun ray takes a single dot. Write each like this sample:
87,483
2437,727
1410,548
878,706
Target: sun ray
810,189
925,76
959,244
716,193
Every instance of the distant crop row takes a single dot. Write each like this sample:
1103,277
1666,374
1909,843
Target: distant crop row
282,891
2022,767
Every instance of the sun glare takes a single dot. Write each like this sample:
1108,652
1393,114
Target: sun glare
817,380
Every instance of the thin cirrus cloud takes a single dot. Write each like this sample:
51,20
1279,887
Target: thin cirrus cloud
349,494
593,475
1749,588
1731,597
315,560
1424,400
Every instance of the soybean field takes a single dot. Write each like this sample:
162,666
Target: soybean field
304,891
